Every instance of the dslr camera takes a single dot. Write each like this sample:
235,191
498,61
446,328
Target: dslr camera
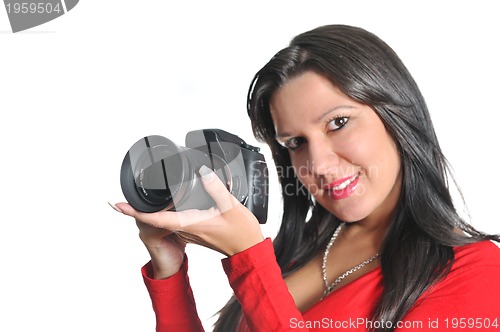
157,174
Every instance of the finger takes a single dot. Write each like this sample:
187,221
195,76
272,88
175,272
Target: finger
162,219
217,190
148,229
170,220
114,207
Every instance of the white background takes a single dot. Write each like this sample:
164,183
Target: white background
76,92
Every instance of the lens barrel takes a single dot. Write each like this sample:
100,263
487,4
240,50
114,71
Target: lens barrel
157,174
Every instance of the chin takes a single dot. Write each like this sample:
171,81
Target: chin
348,216
349,219
349,210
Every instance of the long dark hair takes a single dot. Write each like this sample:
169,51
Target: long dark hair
418,248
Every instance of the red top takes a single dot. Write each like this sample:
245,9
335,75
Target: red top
468,298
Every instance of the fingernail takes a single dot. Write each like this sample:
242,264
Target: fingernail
115,208
206,173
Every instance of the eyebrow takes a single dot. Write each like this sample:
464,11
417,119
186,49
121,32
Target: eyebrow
318,119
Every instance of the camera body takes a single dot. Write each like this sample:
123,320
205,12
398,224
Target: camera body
157,174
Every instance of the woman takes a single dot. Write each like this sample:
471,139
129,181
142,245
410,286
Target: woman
369,240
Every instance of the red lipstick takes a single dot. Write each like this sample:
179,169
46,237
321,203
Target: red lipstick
342,188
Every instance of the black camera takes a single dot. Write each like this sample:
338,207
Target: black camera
157,174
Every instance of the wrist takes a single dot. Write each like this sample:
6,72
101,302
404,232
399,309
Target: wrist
165,265
247,244
159,274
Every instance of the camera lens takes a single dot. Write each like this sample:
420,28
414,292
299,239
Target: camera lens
155,173
152,181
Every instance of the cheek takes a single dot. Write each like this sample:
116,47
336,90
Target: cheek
377,155
299,165
384,160
308,180
359,149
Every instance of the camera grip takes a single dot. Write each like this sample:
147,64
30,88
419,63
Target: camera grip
258,178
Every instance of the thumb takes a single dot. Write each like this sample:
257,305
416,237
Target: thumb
217,190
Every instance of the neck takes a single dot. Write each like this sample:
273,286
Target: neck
370,226
371,230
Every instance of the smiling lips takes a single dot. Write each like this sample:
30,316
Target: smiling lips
342,188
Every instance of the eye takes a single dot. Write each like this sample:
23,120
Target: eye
337,123
293,143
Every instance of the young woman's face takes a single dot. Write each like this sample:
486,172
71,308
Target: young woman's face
340,149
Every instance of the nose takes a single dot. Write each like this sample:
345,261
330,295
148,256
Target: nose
323,159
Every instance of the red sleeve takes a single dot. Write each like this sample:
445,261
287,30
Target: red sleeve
258,285
173,301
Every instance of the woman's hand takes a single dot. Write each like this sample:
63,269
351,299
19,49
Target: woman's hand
165,248
229,227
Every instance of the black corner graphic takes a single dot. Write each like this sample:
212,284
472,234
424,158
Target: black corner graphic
25,14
